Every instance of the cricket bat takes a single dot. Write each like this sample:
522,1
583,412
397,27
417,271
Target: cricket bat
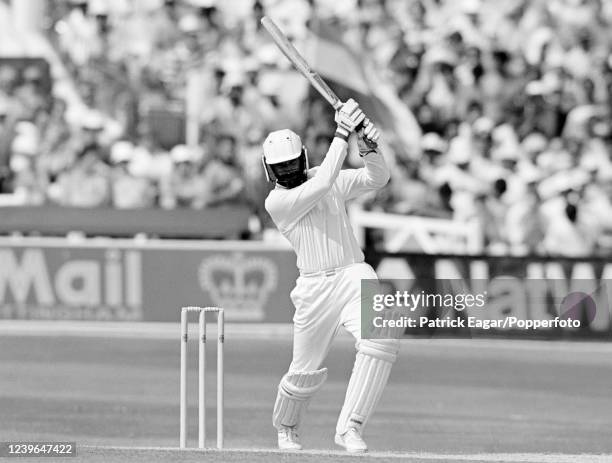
300,64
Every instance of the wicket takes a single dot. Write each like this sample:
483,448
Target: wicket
201,375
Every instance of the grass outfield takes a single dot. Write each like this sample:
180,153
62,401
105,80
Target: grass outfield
485,401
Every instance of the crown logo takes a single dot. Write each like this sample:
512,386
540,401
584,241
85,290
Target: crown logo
239,284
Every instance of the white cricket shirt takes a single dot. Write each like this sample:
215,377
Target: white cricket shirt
313,216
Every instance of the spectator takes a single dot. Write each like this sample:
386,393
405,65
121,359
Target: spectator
567,236
30,93
128,190
525,224
55,150
414,196
223,178
149,160
85,184
27,187
78,33
185,187
493,223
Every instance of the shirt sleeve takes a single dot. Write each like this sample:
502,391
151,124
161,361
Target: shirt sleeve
294,203
372,176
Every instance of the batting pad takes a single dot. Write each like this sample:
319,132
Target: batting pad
368,380
294,393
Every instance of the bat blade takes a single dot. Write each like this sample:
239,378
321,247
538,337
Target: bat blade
300,64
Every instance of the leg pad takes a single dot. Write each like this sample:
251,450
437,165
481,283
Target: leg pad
294,393
368,380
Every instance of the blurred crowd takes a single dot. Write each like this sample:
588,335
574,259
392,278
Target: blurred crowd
513,99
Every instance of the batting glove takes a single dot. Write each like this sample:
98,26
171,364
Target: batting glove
348,117
368,138
370,132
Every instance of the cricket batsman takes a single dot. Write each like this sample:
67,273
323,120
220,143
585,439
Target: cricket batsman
308,207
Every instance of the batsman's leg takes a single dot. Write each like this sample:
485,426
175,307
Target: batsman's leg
316,322
295,391
371,370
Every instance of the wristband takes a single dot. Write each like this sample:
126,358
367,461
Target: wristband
342,133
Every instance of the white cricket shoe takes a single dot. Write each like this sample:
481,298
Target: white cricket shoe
288,439
352,441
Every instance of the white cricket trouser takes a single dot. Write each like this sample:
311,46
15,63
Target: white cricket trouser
323,304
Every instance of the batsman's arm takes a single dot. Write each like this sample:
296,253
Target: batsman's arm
373,175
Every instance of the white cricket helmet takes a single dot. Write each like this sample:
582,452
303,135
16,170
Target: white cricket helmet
280,147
